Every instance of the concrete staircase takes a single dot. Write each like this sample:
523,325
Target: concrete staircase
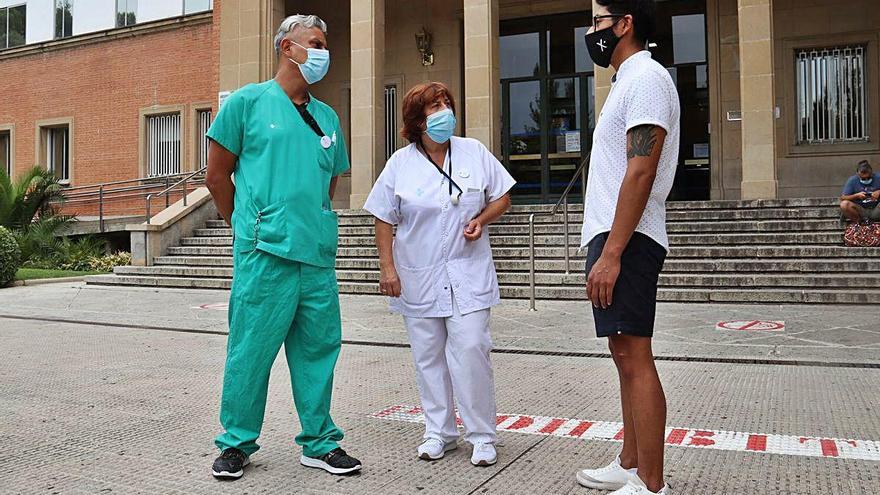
780,251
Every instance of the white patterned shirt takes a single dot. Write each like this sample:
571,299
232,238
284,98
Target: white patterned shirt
642,93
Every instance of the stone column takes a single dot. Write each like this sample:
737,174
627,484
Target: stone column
367,96
247,52
601,77
758,99
482,72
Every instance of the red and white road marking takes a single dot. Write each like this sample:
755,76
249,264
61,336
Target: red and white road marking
810,446
214,306
751,326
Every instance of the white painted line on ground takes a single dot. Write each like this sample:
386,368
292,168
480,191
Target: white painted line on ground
214,306
751,326
809,446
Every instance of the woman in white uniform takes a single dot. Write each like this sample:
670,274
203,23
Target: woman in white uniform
441,192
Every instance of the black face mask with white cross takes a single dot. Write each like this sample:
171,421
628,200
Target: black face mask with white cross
601,45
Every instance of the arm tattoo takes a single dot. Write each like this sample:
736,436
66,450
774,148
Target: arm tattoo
641,141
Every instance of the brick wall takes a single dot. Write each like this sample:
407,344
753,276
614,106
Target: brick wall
103,86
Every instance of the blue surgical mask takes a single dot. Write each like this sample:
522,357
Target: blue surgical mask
441,125
866,182
316,66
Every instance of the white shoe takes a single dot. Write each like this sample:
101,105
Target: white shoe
637,487
433,449
610,477
484,454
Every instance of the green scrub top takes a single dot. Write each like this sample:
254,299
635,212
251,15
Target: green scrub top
282,177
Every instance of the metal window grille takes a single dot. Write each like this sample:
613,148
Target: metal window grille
390,120
831,95
205,117
58,152
163,144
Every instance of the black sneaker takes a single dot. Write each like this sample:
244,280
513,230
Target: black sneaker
230,465
335,462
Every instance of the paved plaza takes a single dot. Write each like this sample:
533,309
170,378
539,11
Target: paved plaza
112,390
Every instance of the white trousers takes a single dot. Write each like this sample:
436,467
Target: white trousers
452,359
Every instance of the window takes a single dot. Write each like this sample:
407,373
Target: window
688,39
126,12
193,6
63,18
520,55
58,151
13,22
163,144
203,121
831,95
390,120
6,152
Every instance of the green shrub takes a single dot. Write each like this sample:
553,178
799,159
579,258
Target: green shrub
10,257
107,262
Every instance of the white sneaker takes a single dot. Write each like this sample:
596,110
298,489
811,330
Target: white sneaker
433,449
610,477
636,486
484,454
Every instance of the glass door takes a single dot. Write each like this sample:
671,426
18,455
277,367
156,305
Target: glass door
680,45
523,138
547,104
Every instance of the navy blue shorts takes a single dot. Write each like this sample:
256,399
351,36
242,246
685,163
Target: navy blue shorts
634,301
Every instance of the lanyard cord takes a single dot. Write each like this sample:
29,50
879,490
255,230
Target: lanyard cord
440,169
307,117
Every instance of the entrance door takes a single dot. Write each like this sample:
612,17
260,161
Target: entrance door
547,104
680,45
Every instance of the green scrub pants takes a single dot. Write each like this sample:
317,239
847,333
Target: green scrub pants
275,301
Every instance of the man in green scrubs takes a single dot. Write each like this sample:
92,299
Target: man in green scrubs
286,150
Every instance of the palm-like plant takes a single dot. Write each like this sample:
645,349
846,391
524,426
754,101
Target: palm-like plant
33,197
29,207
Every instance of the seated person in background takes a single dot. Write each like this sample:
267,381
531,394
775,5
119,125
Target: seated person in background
861,195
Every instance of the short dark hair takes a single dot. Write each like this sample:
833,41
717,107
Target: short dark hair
864,166
414,103
643,13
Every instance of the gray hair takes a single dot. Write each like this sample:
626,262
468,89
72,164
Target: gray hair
294,21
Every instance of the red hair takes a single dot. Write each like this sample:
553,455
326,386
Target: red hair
414,104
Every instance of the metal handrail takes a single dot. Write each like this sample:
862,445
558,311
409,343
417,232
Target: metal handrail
126,181
105,192
580,173
168,189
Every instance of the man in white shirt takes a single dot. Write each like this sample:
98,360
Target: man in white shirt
634,157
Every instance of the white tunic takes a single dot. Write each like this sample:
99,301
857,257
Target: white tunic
642,93
433,259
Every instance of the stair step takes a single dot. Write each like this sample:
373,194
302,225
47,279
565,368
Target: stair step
522,253
767,296
147,281
200,251
745,281
578,279
733,252
520,215
194,260
806,226
847,265
502,240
